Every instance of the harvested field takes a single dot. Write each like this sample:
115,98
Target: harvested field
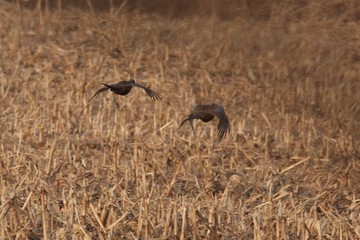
119,167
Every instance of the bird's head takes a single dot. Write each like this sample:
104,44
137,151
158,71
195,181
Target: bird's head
132,81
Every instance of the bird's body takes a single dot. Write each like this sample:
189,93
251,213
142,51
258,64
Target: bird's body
206,113
119,88
124,87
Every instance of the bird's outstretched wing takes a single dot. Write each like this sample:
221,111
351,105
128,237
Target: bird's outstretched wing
152,94
223,125
99,91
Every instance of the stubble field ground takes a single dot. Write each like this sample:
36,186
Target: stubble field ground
119,168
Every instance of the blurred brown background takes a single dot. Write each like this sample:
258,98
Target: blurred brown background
224,9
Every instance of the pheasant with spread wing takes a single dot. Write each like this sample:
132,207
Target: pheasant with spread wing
124,87
207,113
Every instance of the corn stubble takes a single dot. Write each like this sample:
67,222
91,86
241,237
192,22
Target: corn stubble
119,167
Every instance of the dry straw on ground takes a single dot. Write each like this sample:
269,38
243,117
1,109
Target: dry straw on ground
119,167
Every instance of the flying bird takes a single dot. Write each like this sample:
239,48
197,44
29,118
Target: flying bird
206,113
124,87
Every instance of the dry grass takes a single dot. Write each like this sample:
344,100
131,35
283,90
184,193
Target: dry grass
119,167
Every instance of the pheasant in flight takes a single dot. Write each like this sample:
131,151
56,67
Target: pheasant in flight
124,87
206,113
